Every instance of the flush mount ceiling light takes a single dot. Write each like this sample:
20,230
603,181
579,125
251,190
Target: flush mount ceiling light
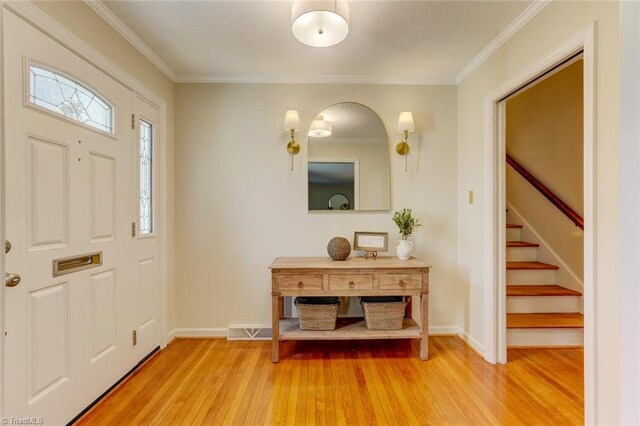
320,128
320,23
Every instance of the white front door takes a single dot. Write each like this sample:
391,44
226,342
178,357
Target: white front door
70,199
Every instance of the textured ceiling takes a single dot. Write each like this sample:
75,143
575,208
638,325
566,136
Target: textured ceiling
252,40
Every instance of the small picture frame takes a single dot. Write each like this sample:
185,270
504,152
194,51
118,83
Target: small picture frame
371,242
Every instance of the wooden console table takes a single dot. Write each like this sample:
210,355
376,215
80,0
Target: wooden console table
319,276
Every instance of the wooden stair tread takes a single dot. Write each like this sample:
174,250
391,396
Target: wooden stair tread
521,244
513,225
530,265
545,320
540,290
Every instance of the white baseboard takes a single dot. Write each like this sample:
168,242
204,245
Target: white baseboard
443,330
475,345
171,336
196,332
449,330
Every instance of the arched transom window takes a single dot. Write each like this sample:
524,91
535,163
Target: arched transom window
61,95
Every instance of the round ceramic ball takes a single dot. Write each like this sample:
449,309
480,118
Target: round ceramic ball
339,248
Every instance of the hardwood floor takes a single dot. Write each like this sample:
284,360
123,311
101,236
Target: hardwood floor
215,382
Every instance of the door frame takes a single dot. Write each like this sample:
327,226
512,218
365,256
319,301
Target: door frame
40,20
629,211
494,222
2,218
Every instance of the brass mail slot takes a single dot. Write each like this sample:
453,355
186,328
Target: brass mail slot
69,265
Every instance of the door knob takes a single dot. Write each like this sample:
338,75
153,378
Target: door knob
11,280
7,246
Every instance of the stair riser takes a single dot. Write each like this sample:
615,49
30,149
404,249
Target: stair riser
544,337
532,304
513,234
522,254
528,276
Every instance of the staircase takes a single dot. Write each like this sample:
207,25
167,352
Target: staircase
540,312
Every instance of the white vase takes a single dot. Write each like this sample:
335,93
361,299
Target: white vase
403,248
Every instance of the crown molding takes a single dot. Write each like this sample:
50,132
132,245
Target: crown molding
520,21
318,79
110,18
516,25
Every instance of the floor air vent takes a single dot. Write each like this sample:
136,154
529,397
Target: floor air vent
242,332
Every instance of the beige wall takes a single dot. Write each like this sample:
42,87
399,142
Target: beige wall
78,18
544,134
554,24
239,205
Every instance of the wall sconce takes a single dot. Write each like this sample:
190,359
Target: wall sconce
405,125
292,125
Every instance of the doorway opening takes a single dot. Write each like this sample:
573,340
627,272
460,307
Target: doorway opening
544,205
495,215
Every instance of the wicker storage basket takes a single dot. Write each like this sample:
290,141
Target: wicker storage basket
383,315
317,314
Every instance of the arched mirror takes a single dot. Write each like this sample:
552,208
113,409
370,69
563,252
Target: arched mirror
348,160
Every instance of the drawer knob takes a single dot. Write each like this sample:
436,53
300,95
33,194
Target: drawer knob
300,284
402,284
351,284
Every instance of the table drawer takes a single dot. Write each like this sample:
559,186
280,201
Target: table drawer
400,281
350,282
300,282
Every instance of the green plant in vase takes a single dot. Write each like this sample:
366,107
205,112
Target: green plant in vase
406,225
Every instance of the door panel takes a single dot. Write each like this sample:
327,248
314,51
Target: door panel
47,194
103,193
147,323
147,280
103,314
48,340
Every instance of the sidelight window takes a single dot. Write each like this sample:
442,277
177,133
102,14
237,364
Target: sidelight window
145,158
